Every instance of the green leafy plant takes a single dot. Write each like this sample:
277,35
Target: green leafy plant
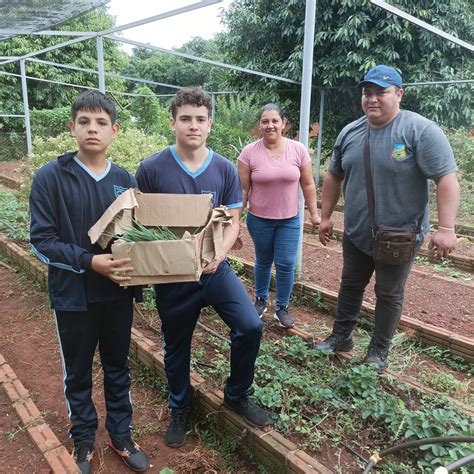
443,382
315,400
228,141
14,217
238,111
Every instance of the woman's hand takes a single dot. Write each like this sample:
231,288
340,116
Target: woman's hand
316,220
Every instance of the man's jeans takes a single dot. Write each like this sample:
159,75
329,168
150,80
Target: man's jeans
275,240
390,280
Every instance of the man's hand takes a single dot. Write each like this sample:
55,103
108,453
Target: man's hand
325,231
211,267
443,242
115,270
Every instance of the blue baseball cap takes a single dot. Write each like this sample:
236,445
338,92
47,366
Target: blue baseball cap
383,76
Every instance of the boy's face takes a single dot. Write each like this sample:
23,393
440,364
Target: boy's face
93,131
191,126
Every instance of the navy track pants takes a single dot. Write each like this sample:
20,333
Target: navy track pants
179,306
107,325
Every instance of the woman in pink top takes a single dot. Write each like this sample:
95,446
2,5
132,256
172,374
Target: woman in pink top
270,171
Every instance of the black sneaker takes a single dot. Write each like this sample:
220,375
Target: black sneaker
284,318
377,356
336,343
130,453
261,306
83,455
253,414
176,432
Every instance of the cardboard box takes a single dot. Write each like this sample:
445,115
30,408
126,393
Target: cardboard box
189,216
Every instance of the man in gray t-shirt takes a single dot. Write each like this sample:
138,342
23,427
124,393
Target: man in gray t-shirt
406,150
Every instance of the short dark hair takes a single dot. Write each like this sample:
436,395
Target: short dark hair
94,101
271,106
191,96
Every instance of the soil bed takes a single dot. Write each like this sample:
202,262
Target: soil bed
29,345
438,301
331,452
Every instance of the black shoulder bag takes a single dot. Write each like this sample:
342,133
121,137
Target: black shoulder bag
391,245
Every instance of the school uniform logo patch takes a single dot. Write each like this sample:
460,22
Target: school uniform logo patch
213,199
118,190
399,152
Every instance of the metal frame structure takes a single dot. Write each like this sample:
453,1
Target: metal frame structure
306,86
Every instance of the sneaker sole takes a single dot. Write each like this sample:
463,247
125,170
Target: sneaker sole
122,457
261,315
243,417
279,322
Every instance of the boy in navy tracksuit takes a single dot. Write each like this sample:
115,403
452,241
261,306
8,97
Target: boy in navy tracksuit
68,196
190,168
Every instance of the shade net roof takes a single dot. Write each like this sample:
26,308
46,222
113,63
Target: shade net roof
27,16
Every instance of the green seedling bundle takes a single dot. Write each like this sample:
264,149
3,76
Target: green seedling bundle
140,233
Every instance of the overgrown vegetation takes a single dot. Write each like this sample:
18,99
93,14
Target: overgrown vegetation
14,216
318,401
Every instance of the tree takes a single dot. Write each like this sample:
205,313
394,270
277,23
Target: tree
168,69
43,95
352,36
149,115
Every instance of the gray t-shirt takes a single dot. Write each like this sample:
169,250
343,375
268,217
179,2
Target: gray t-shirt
404,155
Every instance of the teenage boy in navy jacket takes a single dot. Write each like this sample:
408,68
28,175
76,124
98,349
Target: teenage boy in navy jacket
189,167
68,196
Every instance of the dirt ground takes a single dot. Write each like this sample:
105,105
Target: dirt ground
28,343
12,169
443,302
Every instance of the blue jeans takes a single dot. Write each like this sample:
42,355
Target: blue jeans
390,280
275,240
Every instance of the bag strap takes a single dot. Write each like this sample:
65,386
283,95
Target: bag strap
368,180
370,186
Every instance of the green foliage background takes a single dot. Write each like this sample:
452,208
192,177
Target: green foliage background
351,37
128,149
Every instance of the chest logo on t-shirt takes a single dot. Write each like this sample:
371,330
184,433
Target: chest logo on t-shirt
399,152
118,190
213,199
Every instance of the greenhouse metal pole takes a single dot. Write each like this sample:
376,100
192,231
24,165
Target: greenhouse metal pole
320,138
309,24
213,116
26,107
100,63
